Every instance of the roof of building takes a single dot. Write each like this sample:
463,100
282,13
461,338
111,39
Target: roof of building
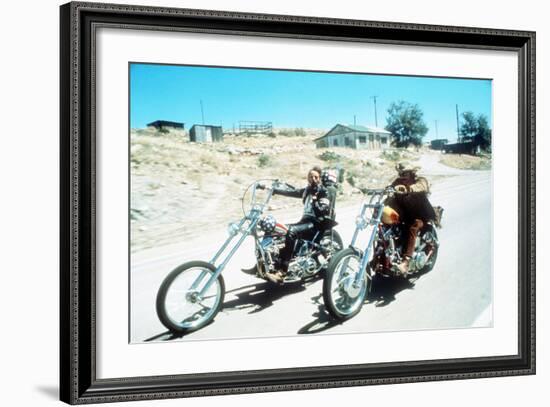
205,125
366,129
358,128
165,123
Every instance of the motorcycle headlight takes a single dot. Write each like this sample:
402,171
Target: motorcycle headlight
233,229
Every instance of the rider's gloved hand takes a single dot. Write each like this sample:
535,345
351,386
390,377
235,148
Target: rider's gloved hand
400,189
260,186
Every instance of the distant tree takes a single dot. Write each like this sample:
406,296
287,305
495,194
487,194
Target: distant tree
406,124
468,128
476,129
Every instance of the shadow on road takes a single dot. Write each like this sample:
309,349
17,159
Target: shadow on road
253,297
383,292
322,321
257,297
384,289
169,336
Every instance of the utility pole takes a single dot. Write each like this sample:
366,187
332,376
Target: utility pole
457,127
202,113
354,120
375,114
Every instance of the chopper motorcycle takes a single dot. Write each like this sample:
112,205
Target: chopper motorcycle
351,271
192,294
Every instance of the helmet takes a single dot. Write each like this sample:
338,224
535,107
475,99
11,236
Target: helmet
402,169
329,177
267,223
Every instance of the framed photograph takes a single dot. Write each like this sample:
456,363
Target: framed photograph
255,203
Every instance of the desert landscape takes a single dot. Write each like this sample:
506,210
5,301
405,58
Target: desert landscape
180,189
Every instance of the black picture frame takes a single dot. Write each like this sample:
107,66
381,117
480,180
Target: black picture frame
78,381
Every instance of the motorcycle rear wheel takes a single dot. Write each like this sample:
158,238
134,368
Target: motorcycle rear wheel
179,306
343,300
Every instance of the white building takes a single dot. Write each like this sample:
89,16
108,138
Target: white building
354,136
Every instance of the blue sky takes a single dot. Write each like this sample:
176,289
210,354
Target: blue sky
296,99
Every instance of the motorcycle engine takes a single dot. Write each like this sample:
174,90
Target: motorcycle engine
302,266
271,246
420,258
393,248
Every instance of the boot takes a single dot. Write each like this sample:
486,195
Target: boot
278,276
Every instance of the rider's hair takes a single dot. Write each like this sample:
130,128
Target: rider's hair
317,169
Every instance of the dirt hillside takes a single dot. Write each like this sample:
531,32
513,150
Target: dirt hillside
179,188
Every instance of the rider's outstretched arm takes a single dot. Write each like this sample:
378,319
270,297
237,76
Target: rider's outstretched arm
293,193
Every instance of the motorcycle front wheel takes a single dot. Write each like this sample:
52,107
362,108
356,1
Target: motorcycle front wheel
344,298
180,306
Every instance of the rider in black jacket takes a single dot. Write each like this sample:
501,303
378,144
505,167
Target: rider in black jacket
318,216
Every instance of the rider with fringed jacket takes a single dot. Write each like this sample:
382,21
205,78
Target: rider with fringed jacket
411,203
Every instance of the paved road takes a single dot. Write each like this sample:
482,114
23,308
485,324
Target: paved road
456,293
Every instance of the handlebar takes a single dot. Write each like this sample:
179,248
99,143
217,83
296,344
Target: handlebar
389,190
258,185
274,184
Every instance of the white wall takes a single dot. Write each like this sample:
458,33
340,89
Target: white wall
29,201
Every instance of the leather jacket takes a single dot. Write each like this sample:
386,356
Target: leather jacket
322,201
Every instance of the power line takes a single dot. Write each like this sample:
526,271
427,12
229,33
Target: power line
457,126
375,113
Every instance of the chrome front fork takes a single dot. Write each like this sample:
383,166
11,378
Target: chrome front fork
374,222
221,267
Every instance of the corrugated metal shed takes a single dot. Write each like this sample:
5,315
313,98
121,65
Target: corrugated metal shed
201,133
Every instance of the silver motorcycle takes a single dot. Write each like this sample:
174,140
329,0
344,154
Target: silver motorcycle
192,294
351,271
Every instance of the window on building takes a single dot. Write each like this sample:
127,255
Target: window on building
362,139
